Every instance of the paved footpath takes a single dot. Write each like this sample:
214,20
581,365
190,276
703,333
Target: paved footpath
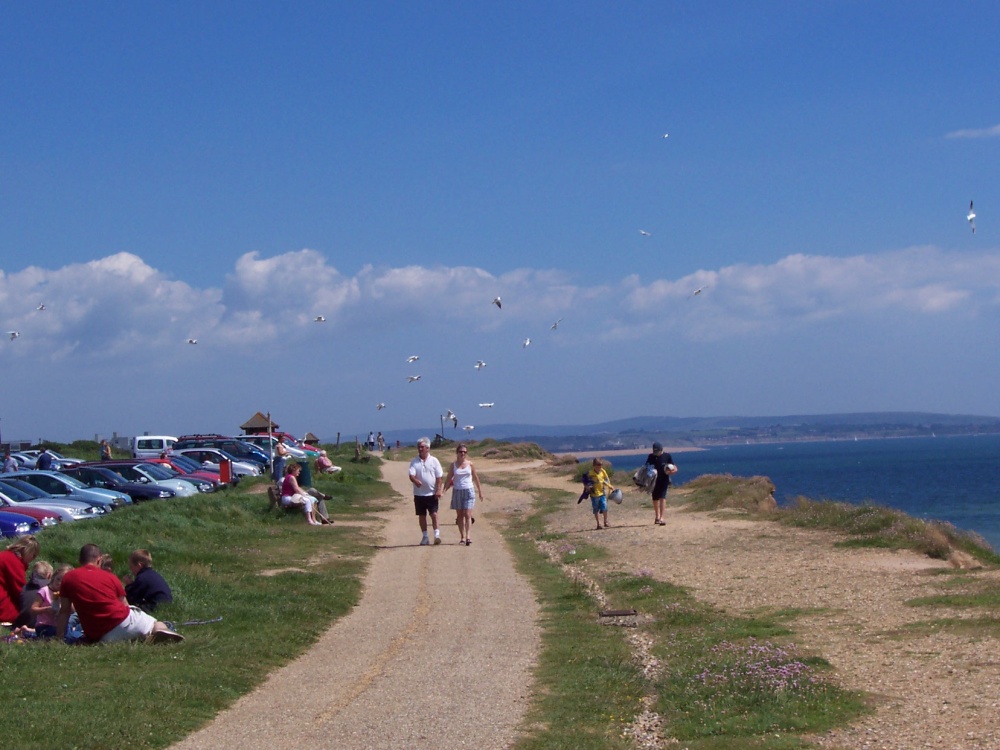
437,654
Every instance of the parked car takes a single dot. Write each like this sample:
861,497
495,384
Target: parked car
269,443
146,472
151,446
45,518
237,448
15,524
58,485
213,457
188,468
58,460
101,477
23,493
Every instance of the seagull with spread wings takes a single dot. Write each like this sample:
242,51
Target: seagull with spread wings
412,378
971,217
480,364
496,301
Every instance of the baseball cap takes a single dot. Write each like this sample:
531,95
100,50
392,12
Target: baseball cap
657,446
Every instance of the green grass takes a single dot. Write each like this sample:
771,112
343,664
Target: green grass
211,549
725,682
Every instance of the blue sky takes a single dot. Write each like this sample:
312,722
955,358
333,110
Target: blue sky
229,171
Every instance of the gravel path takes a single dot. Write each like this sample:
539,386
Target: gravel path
438,653
937,689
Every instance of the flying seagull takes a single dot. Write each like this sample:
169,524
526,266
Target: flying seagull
496,302
41,306
469,427
525,344
13,334
666,135
412,378
319,319
192,341
414,358
644,233
380,405
697,291
480,364
486,406
972,218
555,325
450,415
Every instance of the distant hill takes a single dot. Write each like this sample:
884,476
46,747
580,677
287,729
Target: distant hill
639,432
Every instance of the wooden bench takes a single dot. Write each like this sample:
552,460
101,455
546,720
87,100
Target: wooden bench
274,496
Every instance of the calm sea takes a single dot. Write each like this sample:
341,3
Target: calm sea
955,479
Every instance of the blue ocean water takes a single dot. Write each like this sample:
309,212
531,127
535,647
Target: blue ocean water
955,479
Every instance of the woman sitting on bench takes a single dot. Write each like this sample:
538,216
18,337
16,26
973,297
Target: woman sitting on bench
292,495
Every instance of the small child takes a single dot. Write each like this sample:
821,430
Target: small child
46,605
600,485
41,573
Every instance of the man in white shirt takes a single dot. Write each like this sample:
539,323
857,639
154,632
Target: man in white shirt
426,476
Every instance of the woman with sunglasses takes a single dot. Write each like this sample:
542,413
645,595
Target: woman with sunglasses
462,476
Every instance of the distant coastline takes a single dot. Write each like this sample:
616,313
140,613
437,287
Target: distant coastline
628,451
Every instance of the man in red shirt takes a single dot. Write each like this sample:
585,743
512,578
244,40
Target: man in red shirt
99,599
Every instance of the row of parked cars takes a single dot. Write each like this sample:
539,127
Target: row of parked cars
72,490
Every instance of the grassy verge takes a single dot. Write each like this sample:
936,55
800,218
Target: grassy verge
864,525
716,681
213,550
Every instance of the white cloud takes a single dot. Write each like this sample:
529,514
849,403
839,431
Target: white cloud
120,305
993,132
801,289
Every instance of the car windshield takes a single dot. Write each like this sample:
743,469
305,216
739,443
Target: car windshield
72,481
108,476
15,495
157,471
25,487
184,462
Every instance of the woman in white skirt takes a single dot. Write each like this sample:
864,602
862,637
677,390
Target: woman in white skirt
462,476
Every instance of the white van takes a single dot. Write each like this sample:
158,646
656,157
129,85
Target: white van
151,446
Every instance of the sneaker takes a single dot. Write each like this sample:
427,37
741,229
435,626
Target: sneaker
165,636
424,542
437,540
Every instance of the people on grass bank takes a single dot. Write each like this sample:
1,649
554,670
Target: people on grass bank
14,562
426,477
144,587
98,598
324,465
664,465
600,486
310,500
462,476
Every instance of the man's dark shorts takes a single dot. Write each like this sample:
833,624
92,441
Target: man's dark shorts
425,504
660,488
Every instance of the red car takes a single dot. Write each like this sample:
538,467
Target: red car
188,466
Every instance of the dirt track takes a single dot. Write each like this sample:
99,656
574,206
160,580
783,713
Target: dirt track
437,654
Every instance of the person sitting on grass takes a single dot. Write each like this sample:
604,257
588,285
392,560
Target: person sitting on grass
99,599
39,576
46,604
14,562
144,587
324,465
293,495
